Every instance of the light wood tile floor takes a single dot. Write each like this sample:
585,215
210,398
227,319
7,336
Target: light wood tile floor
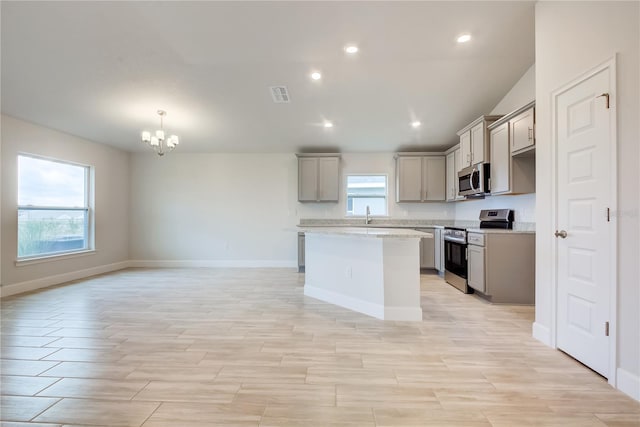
233,347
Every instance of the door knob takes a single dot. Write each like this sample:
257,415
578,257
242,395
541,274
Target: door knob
561,233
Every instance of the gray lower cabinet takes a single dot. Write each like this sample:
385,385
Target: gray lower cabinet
300,252
476,268
501,266
439,249
440,243
427,249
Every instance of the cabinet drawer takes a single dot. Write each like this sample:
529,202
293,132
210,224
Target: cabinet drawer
475,239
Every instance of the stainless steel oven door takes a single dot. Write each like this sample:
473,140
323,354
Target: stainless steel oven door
455,258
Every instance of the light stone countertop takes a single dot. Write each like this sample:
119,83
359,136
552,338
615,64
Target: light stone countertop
367,232
376,222
499,231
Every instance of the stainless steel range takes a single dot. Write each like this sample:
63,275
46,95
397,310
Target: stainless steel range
455,258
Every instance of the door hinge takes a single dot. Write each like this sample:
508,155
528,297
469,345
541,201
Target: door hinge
606,95
606,329
608,215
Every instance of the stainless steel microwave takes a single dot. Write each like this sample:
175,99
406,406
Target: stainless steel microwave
474,180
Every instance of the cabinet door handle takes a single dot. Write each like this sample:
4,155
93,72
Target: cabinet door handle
530,133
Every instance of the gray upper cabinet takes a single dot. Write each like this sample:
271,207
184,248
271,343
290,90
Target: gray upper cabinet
420,178
409,179
474,138
433,176
522,131
513,172
318,177
478,150
500,159
307,179
454,158
465,149
451,176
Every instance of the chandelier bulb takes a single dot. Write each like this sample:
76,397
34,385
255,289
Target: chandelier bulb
146,136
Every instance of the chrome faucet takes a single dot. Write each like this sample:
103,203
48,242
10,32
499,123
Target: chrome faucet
368,219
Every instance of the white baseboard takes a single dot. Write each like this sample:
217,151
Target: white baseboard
374,310
32,285
628,383
213,264
542,334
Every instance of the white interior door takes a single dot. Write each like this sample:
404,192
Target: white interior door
584,181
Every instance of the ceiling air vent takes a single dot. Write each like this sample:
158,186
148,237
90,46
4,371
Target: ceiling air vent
280,94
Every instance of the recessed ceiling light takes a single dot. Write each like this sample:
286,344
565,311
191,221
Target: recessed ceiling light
416,124
328,124
464,38
351,49
316,76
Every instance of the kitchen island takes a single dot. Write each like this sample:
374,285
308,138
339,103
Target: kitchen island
375,271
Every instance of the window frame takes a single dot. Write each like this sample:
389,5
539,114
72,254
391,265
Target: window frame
386,195
89,230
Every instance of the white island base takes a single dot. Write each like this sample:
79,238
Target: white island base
371,271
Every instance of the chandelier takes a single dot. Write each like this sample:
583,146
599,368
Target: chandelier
158,142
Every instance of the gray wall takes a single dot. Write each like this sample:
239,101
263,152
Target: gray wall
111,199
524,205
572,38
214,209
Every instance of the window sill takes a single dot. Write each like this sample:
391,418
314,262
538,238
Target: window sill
50,258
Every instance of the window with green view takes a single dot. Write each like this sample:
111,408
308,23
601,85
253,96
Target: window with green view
366,190
53,207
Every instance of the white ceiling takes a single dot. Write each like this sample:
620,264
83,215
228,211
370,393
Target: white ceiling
100,70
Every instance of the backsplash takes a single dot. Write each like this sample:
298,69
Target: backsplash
443,211
523,205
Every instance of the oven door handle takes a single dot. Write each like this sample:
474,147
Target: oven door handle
454,240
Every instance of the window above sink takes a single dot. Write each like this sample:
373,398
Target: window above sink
367,190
